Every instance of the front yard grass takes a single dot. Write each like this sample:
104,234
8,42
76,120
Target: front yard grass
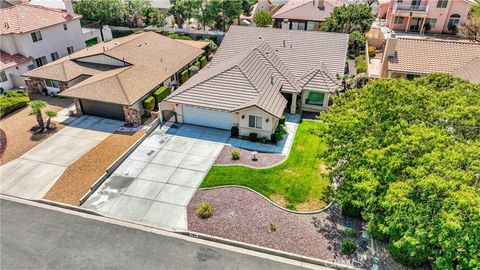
297,183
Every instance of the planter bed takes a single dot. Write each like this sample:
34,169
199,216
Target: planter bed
246,156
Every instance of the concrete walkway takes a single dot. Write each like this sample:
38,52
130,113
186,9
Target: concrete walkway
31,175
156,182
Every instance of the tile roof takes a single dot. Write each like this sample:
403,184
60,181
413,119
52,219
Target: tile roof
252,68
306,10
149,59
25,18
195,43
426,56
7,60
470,71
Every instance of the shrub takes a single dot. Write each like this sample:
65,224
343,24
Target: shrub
11,101
204,210
203,61
173,35
281,121
234,132
349,232
197,64
371,51
272,227
278,134
184,76
149,103
192,70
252,136
407,253
235,155
160,94
262,140
361,64
348,247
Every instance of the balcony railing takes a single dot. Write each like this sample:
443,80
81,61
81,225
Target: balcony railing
412,7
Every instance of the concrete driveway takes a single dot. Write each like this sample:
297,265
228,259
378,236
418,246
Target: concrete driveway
156,182
31,175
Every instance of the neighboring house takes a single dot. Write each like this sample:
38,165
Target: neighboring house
412,57
260,5
304,15
256,74
111,79
39,33
10,67
442,16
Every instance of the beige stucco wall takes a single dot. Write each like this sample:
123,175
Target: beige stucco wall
267,127
313,108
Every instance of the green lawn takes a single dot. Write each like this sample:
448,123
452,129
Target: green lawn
297,183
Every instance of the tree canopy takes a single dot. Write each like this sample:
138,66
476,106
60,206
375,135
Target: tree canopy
407,157
262,19
349,18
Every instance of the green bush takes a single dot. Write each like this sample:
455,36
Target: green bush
184,76
407,253
234,132
192,70
11,101
160,94
235,155
278,134
371,51
203,61
252,137
361,64
197,64
149,103
349,232
281,121
348,247
173,35
204,210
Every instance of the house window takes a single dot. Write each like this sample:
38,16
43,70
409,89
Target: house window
65,27
51,83
310,26
70,50
453,22
3,76
294,26
255,121
398,20
315,98
40,61
54,56
442,3
36,36
431,22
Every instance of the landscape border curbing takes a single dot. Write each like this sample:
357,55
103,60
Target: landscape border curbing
117,163
270,201
252,167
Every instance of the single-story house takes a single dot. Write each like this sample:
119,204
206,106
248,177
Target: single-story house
111,79
304,14
256,74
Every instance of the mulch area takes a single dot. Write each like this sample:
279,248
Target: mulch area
242,215
264,159
17,128
77,179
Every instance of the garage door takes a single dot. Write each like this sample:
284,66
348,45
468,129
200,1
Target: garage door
102,109
209,118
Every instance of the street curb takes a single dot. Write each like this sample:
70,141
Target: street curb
270,201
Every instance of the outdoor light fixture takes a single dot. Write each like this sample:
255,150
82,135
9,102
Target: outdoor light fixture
266,120
243,116
254,156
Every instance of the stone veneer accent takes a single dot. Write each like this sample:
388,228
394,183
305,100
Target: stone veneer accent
132,115
78,106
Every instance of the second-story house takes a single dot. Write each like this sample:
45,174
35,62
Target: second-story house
39,34
304,14
432,16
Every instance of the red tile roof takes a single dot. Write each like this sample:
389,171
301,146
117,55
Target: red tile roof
25,18
7,60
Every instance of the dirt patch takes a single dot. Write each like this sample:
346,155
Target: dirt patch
310,205
324,169
279,199
77,179
242,215
246,156
17,128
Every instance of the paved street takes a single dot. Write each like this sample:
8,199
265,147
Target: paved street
42,238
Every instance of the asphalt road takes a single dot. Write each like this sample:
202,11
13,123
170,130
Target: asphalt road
37,238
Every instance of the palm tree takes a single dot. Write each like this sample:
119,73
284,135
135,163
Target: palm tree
36,107
50,114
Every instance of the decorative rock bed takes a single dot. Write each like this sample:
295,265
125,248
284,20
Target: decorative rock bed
246,156
242,215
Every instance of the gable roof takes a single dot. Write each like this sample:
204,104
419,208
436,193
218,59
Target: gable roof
426,56
146,60
306,10
25,18
252,68
8,60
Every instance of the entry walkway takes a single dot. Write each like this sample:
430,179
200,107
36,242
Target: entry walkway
156,182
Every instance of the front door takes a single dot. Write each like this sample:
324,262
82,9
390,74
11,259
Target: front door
415,24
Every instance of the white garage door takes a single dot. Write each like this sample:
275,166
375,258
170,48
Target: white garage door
209,118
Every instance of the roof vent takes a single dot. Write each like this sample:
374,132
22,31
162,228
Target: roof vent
116,43
146,43
139,45
260,38
284,43
271,79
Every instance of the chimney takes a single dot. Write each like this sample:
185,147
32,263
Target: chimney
319,4
69,7
391,46
285,24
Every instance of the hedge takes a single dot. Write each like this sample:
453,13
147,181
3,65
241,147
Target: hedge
160,94
193,70
203,61
184,76
11,101
149,103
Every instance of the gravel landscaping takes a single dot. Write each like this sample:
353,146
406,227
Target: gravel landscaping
76,180
242,215
264,159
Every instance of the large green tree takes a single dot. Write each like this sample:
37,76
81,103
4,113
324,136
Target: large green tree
262,19
106,11
349,18
407,156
